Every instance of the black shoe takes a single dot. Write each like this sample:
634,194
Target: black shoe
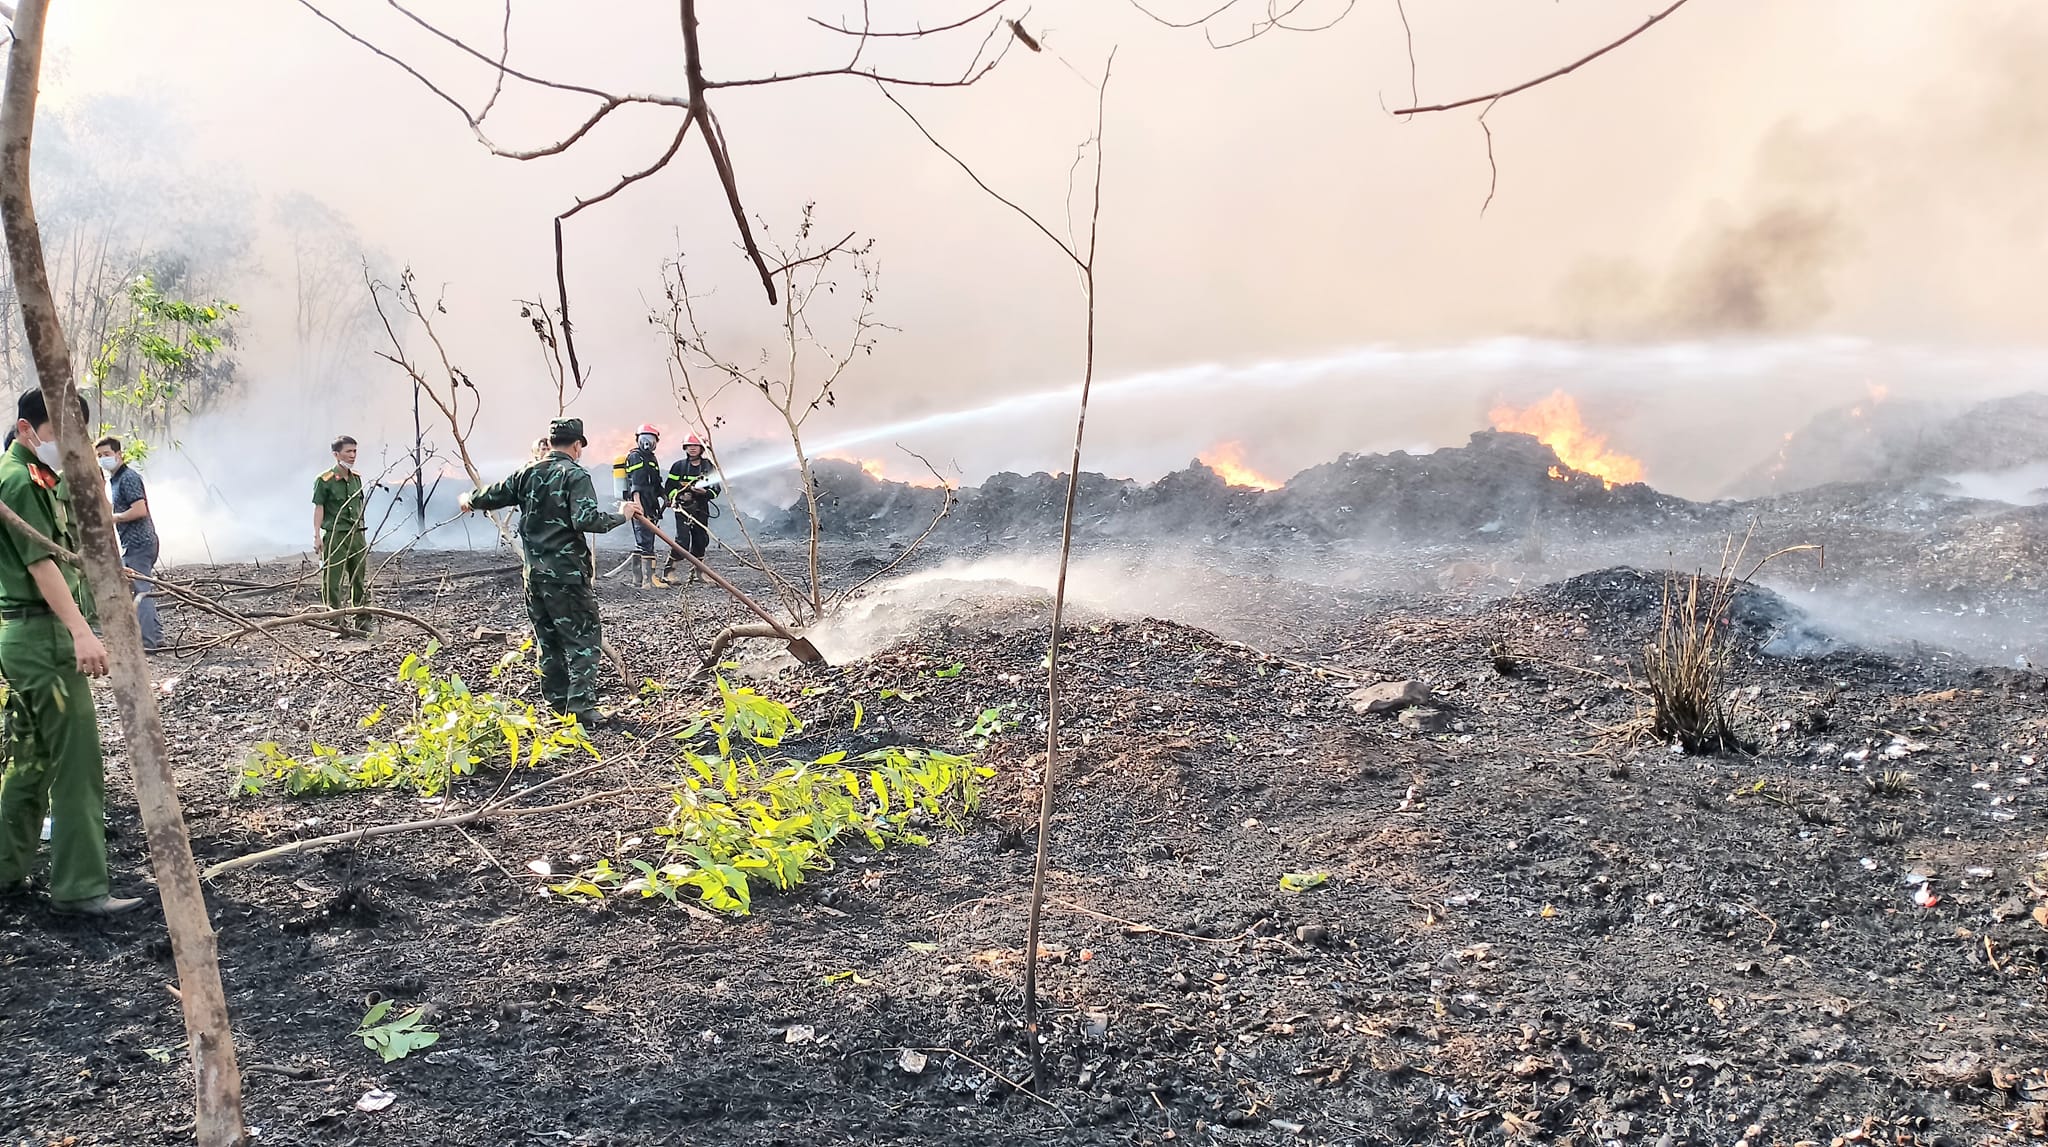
592,719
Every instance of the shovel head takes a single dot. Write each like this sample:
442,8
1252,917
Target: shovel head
802,649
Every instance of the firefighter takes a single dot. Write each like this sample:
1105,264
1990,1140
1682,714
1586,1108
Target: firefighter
643,485
692,483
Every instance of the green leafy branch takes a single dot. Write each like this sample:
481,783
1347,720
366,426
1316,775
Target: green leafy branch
742,816
451,732
163,348
395,1039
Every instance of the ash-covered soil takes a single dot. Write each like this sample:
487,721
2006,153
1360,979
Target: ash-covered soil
1536,925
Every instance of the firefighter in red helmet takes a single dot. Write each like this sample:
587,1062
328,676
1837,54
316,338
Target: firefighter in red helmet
692,483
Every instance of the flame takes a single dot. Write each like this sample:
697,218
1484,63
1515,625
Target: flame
1555,422
1227,460
878,470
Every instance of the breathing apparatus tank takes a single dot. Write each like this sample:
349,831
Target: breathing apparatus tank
619,477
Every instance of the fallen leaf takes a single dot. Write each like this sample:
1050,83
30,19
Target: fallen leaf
799,1033
375,1100
912,1061
1302,881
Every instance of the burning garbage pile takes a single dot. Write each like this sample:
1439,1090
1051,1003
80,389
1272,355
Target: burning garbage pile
1498,486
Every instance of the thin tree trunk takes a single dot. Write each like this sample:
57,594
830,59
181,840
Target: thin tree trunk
419,460
218,1079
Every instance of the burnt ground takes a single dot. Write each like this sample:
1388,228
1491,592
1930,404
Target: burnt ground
1536,924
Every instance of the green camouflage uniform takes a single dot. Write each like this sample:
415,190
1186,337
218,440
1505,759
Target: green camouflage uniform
557,506
53,738
344,547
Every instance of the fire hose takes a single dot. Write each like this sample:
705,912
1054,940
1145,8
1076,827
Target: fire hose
799,647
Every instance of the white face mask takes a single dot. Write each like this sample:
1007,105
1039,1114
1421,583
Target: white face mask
110,464
49,455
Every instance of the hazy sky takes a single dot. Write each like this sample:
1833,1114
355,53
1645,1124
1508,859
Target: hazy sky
1778,169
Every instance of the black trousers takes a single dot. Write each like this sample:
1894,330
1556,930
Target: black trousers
690,530
643,538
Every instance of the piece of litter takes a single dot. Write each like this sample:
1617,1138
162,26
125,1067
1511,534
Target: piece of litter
375,1100
912,1061
799,1033
1869,865
540,868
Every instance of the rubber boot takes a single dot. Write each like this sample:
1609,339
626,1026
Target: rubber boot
696,575
668,572
639,573
653,578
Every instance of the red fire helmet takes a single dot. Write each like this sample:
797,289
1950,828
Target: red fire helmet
693,440
647,428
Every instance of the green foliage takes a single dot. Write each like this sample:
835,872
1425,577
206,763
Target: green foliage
150,364
526,657
742,816
395,1038
989,725
450,733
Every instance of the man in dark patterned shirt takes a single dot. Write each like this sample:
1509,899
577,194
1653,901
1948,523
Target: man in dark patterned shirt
132,521
557,505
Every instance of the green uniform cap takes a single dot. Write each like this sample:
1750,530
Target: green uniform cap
565,429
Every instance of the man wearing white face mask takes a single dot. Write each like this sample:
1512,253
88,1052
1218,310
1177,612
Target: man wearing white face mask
138,534
47,650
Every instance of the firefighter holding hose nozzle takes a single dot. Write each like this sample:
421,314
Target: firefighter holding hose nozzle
692,483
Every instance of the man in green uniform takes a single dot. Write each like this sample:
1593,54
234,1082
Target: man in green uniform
557,506
47,649
339,539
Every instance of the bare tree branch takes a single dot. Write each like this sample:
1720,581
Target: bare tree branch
1567,70
1275,19
504,54
1492,168
715,144
979,182
1197,22
1408,33
868,33
498,63
827,253
967,79
628,180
